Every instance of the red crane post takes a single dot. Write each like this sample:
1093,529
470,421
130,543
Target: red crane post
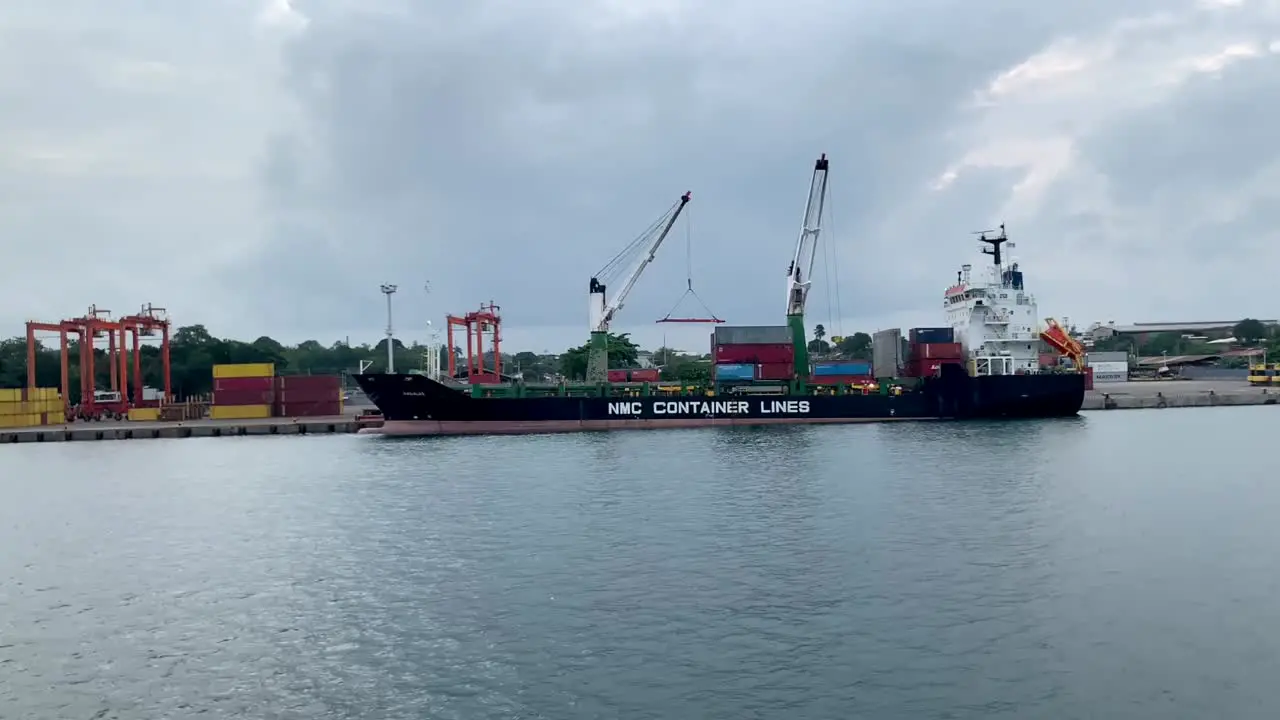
63,329
144,324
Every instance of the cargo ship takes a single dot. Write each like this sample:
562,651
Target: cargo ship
984,364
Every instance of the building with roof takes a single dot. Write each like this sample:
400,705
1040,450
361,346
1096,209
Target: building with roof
1142,331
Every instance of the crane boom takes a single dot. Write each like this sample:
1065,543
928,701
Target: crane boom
602,310
801,270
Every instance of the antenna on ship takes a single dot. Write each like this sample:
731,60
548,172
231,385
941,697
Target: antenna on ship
995,241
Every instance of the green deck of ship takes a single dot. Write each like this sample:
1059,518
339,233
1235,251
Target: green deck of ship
673,389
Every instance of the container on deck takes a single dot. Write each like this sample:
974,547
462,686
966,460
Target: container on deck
931,335
646,375
775,371
735,372
239,412
757,353
244,397
617,376
243,384
937,351
886,353
241,370
841,368
751,335
841,380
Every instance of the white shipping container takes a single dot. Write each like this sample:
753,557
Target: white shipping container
1109,367
1110,377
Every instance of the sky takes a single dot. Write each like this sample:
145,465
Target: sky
263,166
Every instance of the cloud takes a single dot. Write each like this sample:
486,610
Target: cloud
264,166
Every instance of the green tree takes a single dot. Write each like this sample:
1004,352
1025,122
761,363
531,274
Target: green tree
819,332
1250,331
855,347
623,353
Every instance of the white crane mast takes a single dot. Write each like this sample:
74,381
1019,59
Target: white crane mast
799,274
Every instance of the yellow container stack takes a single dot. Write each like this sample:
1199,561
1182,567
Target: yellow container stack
243,391
30,408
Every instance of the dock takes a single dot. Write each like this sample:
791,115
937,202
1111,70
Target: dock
81,431
1161,394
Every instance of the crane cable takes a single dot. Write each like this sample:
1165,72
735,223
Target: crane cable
688,261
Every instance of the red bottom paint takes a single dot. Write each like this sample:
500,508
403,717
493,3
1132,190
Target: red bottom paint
419,428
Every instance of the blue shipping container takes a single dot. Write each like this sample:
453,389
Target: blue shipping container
740,371
844,368
929,336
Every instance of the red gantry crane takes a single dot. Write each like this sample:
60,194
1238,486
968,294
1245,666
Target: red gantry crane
476,324
146,323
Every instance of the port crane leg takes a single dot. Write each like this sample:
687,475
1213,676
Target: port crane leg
800,272
603,311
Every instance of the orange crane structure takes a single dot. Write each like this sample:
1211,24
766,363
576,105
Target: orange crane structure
146,323
94,325
476,324
1059,339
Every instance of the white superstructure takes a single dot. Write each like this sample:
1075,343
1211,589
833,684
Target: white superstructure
993,316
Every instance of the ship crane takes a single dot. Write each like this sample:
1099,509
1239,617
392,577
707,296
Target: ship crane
602,309
1059,339
800,272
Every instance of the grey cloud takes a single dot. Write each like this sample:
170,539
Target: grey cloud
507,151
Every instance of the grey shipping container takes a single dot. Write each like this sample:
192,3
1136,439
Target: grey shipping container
886,353
753,335
1094,357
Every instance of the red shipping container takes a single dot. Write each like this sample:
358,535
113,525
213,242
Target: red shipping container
754,354
775,371
308,409
243,397
646,375
1048,359
1088,378
617,376
308,396
309,383
937,351
841,380
243,384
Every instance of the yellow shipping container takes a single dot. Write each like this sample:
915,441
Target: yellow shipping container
8,395
144,414
244,370
21,421
239,412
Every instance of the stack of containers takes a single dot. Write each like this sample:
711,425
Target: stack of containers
244,391
930,349
766,349
848,372
308,396
30,407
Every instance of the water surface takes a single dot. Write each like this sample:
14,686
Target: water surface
1119,565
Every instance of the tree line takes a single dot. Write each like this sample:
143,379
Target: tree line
193,352
1250,332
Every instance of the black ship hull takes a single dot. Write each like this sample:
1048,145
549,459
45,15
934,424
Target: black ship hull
414,405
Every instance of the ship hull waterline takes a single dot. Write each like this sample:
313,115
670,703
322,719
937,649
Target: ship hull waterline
413,405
